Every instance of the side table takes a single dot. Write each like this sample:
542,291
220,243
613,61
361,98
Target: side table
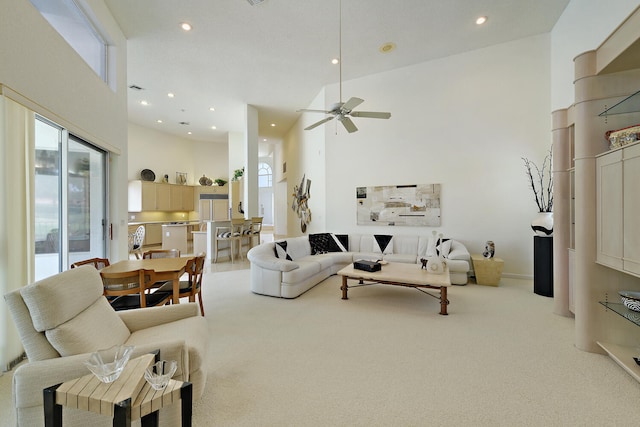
488,271
128,398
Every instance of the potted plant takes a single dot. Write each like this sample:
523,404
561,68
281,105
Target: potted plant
237,174
541,183
220,182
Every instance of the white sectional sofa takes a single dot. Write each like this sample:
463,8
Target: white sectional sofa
303,262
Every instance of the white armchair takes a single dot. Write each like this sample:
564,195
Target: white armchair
64,318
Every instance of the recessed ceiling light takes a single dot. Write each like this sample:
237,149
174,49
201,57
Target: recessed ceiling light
186,26
264,140
481,20
212,109
273,125
387,47
158,121
214,127
334,61
189,133
143,102
170,95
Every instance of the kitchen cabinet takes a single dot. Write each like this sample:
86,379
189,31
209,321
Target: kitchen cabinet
142,196
163,197
152,196
153,234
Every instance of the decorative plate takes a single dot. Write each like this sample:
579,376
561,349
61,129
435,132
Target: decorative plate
147,175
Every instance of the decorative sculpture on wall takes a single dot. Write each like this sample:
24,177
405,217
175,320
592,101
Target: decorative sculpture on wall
300,206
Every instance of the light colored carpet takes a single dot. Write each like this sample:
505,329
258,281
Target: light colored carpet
386,357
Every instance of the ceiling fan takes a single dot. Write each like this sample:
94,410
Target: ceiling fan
343,111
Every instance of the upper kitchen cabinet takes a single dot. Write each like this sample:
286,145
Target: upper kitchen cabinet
151,196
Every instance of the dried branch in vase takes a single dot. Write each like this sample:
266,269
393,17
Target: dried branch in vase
541,182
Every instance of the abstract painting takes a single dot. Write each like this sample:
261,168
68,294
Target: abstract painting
411,205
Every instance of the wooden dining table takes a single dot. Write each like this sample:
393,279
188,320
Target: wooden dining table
169,269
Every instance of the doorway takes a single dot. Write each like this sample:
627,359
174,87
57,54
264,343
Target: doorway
70,199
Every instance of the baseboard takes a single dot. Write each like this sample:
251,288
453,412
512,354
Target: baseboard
12,364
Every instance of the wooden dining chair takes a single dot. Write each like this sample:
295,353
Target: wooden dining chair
231,234
128,290
252,232
161,253
98,263
193,286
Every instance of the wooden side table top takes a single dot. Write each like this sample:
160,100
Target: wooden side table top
480,258
88,393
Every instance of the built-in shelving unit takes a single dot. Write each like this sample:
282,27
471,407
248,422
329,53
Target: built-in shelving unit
623,356
631,104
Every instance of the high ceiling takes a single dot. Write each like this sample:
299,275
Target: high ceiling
276,55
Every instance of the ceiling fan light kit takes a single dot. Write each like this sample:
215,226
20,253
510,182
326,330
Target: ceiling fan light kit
342,110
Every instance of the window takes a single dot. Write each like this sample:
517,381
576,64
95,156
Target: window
74,26
265,176
70,199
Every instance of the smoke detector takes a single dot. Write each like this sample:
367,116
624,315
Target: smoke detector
255,2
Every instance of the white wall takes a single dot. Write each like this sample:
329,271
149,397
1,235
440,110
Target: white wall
167,154
304,152
464,122
583,26
49,76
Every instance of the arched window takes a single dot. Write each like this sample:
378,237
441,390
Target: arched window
265,175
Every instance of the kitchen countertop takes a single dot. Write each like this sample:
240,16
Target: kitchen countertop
193,222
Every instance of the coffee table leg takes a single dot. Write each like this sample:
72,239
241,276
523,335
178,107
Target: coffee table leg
344,287
443,301
52,411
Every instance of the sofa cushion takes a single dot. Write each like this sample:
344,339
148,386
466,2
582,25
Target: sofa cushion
325,260
280,250
95,328
56,299
378,243
326,242
305,270
298,247
406,258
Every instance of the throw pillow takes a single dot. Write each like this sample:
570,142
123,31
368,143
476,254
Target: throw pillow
325,242
384,243
443,246
281,250
95,328
344,240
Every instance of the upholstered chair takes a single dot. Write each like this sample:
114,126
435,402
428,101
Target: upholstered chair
62,319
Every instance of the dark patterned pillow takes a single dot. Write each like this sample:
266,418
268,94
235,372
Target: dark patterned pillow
444,246
344,240
326,242
281,250
384,243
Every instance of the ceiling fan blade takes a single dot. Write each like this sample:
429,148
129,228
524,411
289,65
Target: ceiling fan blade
316,124
304,110
371,114
352,103
348,124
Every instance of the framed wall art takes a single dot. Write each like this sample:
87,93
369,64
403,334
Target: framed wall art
411,205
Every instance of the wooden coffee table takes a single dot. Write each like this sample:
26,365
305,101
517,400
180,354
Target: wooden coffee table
400,274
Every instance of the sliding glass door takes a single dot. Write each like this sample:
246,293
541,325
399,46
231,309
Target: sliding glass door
70,199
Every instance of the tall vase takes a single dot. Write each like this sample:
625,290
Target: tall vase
542,224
